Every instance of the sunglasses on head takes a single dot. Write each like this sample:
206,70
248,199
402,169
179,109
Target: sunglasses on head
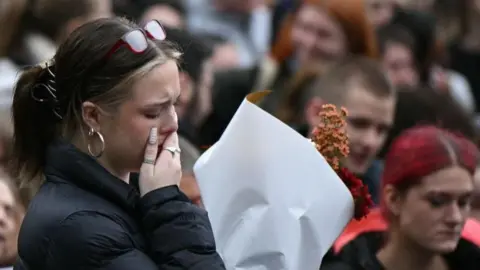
136,40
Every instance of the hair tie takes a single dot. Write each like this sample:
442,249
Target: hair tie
44,91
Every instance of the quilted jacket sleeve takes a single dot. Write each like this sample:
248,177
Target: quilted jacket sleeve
178,232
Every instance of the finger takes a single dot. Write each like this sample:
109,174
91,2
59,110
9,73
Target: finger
173,140
176,144
170,141
150,152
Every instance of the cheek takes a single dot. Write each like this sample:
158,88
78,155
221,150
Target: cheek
131,135
296,36
339,44
382,136
418,220
353,134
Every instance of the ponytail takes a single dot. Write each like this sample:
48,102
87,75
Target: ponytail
34,122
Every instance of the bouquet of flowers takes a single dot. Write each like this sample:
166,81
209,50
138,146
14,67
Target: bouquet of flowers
331,140
276,201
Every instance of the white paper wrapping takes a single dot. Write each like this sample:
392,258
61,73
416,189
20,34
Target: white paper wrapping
273,200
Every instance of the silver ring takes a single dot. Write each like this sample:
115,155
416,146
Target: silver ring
149,161
172,150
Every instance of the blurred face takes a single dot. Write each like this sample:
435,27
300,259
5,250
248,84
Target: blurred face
317,37
101,9
239,5
476,195
369,120
10,219
151,105
425,5
204,89
433,213
379,12
399,64
186,95
164,14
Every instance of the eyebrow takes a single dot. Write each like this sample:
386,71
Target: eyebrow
157,104
449,194
161,102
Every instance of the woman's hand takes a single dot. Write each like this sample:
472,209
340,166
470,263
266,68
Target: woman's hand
164,171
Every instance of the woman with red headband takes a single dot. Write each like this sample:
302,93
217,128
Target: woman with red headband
427,187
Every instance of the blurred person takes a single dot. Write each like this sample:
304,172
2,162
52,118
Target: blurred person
126,8
101,109
380,12
11,13
433,66
6,137
426,106
170,13
229,90
194,103
318,32
359,85
464,49
397,47
421,27
188,184
58,18
54,20
245,24
426,197
196,80
430,56
476,195
12,211
424,5
326,30
451,19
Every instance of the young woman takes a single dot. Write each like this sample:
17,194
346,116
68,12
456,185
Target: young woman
12,211
427,187
102,109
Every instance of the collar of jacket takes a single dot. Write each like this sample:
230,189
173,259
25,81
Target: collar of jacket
361,253
361,240
66,163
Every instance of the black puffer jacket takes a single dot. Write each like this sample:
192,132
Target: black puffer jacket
360,254
84,218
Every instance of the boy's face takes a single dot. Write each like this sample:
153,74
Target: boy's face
369,120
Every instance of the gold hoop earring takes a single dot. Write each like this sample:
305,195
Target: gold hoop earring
92,133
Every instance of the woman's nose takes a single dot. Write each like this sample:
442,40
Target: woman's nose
455,214
170,124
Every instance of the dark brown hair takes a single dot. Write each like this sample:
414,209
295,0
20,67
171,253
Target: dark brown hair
397,34
80,71
11,13
426,106
51,15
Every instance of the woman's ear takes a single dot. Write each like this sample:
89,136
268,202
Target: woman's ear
392,199
91,115
312,111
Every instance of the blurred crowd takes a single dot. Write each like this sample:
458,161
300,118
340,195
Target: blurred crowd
394,64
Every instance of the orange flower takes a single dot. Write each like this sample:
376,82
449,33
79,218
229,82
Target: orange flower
331,140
